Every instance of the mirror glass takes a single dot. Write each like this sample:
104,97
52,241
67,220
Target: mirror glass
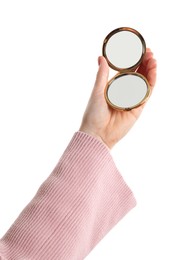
127,91
124,48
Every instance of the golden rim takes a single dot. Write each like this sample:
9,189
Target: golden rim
118,75
134,67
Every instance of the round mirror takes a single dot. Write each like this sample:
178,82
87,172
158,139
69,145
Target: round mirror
124,48
127,91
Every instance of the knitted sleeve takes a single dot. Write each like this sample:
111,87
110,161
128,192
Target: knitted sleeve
78,204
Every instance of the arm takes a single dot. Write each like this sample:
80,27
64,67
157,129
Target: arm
85,195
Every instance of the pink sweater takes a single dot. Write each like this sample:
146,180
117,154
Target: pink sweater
78,204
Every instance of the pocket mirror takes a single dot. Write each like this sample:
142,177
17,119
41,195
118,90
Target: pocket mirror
124,49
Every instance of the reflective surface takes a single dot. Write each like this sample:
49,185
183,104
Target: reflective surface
124,48
126,91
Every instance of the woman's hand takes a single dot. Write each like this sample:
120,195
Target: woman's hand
102,121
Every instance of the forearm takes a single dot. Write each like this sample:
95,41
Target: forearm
82,199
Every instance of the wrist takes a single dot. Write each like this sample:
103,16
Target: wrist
92,133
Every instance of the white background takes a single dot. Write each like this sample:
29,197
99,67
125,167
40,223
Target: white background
48,63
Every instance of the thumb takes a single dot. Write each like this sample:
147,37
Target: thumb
102,75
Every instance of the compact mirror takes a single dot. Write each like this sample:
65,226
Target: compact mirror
124,49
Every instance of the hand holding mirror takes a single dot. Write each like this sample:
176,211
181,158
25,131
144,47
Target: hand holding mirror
124,49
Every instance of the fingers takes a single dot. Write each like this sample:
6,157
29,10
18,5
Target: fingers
151,64
148,55
148,67
151,68
151,77
102,75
